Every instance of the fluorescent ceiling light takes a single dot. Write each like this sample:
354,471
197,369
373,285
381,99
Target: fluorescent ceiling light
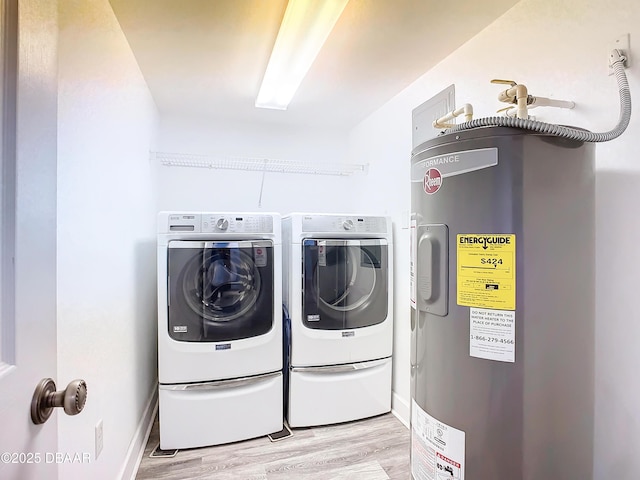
304,29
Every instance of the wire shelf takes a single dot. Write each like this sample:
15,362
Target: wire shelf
257,164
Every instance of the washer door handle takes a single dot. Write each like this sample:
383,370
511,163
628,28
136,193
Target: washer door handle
45,398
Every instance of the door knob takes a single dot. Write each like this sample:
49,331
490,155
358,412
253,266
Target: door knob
45,399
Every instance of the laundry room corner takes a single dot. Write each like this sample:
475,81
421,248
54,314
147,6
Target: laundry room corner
107,124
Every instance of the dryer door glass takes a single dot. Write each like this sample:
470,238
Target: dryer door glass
345,283
220,291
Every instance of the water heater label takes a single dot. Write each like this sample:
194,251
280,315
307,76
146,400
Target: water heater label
486,273
433,170
437,449
492,334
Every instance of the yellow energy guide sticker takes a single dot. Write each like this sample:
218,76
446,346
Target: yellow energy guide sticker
487,270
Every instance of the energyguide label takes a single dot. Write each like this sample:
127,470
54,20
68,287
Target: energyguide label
486,273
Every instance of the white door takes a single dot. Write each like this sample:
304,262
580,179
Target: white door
28,250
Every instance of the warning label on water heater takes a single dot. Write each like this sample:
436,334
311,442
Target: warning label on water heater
486,274
492,334
437,449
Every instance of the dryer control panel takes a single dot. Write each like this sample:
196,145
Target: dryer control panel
344,223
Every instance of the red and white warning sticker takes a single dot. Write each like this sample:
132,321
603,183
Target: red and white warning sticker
260,256
437,449
322,254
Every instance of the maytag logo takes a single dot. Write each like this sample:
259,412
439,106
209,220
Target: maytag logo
348,334
432,181
223,346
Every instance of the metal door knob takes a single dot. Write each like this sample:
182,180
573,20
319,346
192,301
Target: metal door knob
45,399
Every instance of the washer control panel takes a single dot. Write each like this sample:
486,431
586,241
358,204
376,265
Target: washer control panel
340,223
220,223
230,223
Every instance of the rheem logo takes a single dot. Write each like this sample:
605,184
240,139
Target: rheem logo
432,181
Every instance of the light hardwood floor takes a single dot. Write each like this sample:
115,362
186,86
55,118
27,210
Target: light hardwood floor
371,449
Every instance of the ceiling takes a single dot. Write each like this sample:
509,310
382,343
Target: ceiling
206,58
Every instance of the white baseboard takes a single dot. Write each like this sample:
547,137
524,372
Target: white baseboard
139,441
400,409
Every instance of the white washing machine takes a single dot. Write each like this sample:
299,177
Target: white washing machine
219,327
338,290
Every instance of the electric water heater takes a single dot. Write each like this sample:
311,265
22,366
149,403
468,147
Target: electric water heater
502,290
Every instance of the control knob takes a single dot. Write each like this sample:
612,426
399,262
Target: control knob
222,224
348,224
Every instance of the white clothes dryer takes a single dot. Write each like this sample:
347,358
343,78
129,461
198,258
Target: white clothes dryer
219,327
338,289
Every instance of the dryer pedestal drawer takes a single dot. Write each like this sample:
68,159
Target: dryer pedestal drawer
213,413
340,393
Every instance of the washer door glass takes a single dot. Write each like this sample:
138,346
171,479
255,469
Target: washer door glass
220,291
345,283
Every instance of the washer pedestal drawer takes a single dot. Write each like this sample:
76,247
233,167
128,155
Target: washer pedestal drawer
213,413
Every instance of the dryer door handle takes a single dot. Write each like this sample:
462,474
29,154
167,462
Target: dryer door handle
342,368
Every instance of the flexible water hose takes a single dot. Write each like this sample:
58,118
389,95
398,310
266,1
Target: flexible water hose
567,132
